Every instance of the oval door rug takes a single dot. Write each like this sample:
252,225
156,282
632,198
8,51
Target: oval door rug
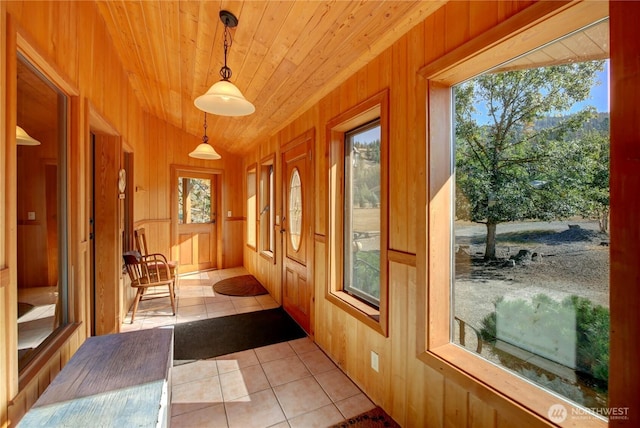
245,285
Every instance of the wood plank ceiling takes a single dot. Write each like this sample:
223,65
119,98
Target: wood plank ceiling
285,55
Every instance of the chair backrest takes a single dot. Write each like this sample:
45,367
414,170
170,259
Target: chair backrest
133,265
146,271
141,241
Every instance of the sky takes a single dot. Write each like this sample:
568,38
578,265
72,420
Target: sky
600,93
599,98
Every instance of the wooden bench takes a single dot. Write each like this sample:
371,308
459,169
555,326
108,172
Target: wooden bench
117,380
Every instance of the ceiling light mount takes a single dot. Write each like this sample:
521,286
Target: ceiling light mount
224,98
228,19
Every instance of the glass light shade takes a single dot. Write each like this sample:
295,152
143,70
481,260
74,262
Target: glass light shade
205,151
224,99
24,139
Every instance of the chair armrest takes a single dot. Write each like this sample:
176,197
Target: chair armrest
154,256
156,266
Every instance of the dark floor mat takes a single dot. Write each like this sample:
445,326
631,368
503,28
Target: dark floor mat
245,285
213,337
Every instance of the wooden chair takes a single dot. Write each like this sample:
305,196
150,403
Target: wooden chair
147,272
141,246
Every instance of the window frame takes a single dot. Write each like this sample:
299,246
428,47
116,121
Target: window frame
252,212
128,241
377,106
267,194
184,174
19,46
537,25
347,264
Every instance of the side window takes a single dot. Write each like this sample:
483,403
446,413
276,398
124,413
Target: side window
252,200
361,232
266,214
125,180
358,189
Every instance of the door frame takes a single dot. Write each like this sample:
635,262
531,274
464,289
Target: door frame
176,169
308,138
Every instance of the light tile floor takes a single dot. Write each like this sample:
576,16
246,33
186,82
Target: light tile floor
290,384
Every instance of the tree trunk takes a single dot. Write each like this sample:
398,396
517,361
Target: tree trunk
604,221
490,250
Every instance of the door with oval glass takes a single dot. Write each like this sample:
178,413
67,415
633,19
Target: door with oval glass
297,227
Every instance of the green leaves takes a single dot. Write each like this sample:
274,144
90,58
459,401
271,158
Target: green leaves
520,154
589,329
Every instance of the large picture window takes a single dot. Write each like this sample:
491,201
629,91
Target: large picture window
522,304
531,206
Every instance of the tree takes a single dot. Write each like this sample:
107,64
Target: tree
596,184
508,168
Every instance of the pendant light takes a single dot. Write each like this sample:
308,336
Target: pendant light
224,98
204,149
24,139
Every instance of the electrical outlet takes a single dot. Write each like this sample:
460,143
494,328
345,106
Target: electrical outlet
229,214
31,215
374,361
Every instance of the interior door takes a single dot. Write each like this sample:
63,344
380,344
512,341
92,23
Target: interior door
297,293
195,220
107,257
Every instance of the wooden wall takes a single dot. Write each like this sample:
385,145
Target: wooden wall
164,146
71,37
417,394
69,41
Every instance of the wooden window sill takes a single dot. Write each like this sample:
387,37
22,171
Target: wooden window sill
356,308
461,365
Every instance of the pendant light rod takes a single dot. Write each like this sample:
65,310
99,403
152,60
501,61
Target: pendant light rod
204,150
205,139
230,21
224,98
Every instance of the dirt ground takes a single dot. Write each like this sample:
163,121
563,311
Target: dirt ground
570,261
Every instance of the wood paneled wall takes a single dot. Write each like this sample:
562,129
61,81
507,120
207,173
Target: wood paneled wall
72,38
69,40
165,145
414,393
69,43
